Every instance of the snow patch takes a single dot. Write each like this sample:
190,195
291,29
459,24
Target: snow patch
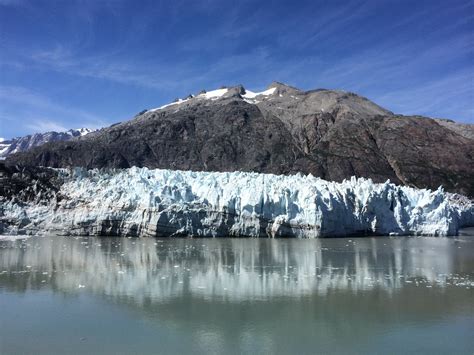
83,131
214,94
180,101
251,95
250,101
78,132
4,148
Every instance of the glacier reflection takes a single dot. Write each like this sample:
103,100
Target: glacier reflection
232,269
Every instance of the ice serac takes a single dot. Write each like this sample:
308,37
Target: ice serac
145,202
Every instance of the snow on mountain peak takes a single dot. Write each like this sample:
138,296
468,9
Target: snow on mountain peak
214,94
79,132
84,131
180,101
249,96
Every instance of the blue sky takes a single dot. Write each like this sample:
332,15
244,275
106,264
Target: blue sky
75,63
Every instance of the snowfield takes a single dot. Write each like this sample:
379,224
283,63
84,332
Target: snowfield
249,97
144,202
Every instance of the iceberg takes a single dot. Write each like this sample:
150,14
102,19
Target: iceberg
162,203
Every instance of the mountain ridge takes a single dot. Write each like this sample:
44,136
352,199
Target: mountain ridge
24,143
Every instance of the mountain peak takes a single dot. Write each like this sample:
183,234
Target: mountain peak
282,88
276,84
235,91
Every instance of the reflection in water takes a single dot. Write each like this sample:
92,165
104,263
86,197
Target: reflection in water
234,269
368,295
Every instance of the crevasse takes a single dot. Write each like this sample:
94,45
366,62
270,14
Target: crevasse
145,202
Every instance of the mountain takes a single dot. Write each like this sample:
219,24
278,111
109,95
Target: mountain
282,130
21,144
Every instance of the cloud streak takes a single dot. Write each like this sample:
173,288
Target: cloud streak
45,125
38,113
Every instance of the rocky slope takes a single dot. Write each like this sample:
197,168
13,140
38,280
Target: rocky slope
283,130
144,202
22,144
463,129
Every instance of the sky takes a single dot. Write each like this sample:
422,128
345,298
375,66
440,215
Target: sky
81,63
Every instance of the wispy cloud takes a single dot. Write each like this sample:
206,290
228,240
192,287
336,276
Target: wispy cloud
27,98
102,66
11,2
152,75
419,99
45,125
38,113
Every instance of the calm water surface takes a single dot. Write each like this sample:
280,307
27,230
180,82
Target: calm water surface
174,296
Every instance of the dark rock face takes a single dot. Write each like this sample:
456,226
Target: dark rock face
330,134
28,184
228,136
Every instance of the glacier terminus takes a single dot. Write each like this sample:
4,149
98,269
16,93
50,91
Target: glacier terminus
161,203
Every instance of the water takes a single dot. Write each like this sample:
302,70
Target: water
176,296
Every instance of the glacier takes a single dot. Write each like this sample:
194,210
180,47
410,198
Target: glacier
162,203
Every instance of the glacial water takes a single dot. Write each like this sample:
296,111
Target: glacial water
64,295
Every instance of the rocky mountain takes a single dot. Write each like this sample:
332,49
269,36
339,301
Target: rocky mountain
282,130
21,144
463,129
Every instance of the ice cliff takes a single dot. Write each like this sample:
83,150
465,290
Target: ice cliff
144,202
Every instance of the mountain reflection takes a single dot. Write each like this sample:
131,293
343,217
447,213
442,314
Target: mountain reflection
232,269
